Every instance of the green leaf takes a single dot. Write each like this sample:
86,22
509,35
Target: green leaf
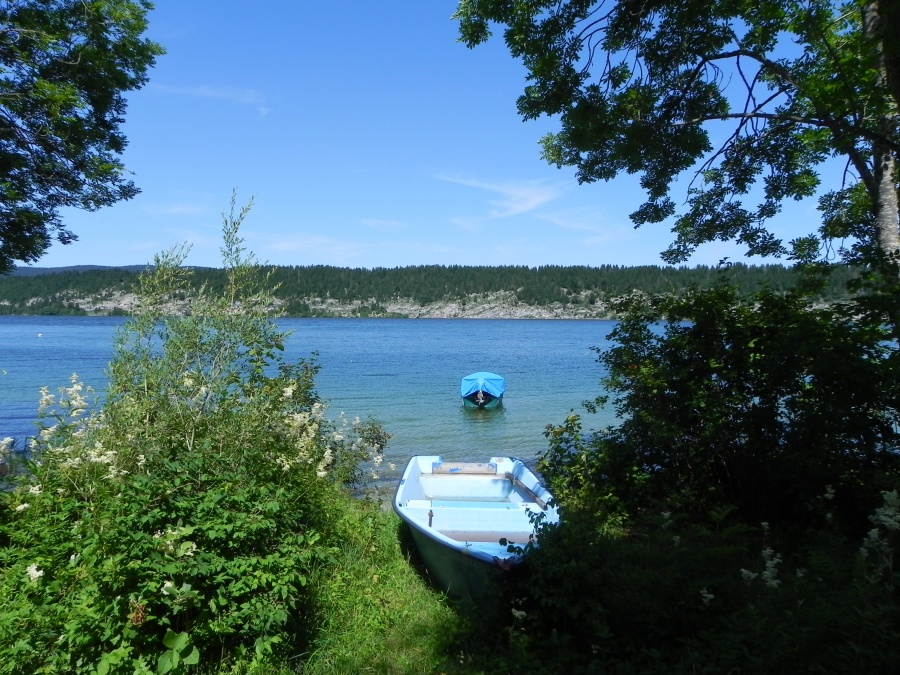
193,658
167,662
176,642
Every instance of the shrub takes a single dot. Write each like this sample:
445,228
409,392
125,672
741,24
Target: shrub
759,405
180,523
743,517
670,594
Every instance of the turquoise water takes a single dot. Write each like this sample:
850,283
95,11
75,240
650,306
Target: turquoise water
403,373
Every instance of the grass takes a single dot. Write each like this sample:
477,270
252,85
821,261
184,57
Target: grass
378,613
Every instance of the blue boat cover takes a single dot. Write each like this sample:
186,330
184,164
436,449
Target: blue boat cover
490,383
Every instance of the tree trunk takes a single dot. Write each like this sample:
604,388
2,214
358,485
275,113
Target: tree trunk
887,209
881,20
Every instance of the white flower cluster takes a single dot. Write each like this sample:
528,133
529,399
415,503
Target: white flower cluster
47,401
888,516
324,463
769,574
70,457
373,455
877,548
34,572
72,402
303,427
66,441
376,458
318,442
46,434
170,541
100,455
6,445
73,424
771,561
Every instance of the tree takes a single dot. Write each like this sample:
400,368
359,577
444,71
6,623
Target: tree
65,66
767,423
753,95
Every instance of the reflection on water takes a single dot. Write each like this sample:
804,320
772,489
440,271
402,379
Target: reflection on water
482,415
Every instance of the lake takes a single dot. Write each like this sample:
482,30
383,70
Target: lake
405,373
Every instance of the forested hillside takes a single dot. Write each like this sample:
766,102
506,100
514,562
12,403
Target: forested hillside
336,291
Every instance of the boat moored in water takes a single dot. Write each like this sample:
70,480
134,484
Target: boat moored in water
482,390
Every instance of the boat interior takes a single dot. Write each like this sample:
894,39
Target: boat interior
480,399
475,503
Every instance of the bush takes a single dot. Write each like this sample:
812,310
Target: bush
182,522
673,595
759,405
744,516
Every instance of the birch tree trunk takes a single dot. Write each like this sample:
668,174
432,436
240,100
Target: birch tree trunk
881,19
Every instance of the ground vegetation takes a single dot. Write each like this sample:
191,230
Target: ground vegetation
204,518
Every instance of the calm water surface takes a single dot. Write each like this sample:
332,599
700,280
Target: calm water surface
404,373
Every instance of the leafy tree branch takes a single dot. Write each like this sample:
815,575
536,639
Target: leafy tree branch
65,66
823,83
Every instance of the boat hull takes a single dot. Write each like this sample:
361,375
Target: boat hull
464,518
489,403
461,576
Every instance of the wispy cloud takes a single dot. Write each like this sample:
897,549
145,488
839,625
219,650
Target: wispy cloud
176,209
593,222
314,248
512,197
196,238
144,247
384,225
242,96
585,220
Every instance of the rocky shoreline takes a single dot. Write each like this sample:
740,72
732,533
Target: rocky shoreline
486,306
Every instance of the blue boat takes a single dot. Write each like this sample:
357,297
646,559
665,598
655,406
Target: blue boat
460,512
482,390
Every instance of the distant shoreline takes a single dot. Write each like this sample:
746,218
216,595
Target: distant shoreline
432,312
422,292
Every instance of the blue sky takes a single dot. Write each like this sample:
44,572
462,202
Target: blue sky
368,136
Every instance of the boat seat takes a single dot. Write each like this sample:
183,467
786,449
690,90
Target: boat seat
480,487
518,538
478,468
481,520
465,504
